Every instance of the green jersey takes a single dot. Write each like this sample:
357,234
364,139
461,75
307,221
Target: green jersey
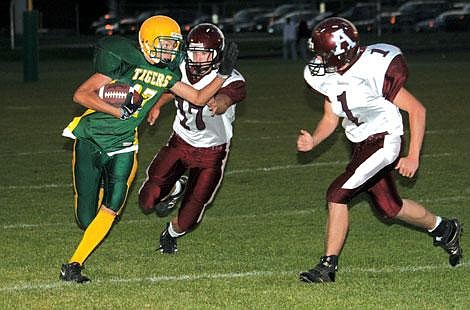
120,59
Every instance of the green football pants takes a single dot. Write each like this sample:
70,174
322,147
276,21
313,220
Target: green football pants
100,179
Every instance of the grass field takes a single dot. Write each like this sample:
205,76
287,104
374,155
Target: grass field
266,223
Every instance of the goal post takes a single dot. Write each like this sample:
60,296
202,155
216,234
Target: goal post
30,43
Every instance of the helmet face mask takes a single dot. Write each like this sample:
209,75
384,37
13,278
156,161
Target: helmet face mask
165,49
161,41
335,44
205,43
200,60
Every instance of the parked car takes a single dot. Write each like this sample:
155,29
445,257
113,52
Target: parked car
189,24
412,12
128,25
239,19
360,11
107,24
226,24
244,20
311,23
454,20
141,17
262,21
363,15
296,16
288,8
184,17
427,25
110,24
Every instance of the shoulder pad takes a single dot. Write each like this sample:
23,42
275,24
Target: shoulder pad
115,52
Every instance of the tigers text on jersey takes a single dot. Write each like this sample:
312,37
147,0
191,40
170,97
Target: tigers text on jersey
358,95
195,124
121,59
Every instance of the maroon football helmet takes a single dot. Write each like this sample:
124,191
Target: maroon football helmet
203,38
335,43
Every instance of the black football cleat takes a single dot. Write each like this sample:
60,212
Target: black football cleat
72,272
323,272
450,241
167,242
166,206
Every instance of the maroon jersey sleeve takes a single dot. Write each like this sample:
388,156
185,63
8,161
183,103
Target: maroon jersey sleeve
395,77
235,91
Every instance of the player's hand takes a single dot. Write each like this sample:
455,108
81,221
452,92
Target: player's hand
129,107
305,141
212,104
407,166
153,115
229,58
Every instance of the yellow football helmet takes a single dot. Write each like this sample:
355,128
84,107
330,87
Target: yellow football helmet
161,40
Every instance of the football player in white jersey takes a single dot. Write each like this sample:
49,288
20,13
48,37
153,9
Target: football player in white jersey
199,143
364,85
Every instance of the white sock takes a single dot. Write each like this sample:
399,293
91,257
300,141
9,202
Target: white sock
173,233
177,189
438,221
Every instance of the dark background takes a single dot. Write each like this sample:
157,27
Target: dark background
60,14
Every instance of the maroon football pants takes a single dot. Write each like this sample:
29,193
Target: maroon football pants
381,185
205,166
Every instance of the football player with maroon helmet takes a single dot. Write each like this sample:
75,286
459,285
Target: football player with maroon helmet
199,144
364,85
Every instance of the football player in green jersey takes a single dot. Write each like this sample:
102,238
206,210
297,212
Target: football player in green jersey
105,149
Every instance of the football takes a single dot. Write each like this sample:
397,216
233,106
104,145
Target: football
115,94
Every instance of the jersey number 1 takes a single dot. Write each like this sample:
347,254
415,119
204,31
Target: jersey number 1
344,105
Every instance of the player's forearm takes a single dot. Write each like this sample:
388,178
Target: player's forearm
208,91
198,97
417,119
87,95
90,100
324,129
163,100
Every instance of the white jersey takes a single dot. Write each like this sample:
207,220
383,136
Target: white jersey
357,96
195,124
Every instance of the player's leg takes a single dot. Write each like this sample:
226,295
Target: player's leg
86,183
162,176
203,183
119,173
369,158
87,176
168,203
415,214
335,235
445,232
336,228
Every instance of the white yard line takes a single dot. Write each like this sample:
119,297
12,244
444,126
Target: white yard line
227,173
144,220
249,121
314,164
26,286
